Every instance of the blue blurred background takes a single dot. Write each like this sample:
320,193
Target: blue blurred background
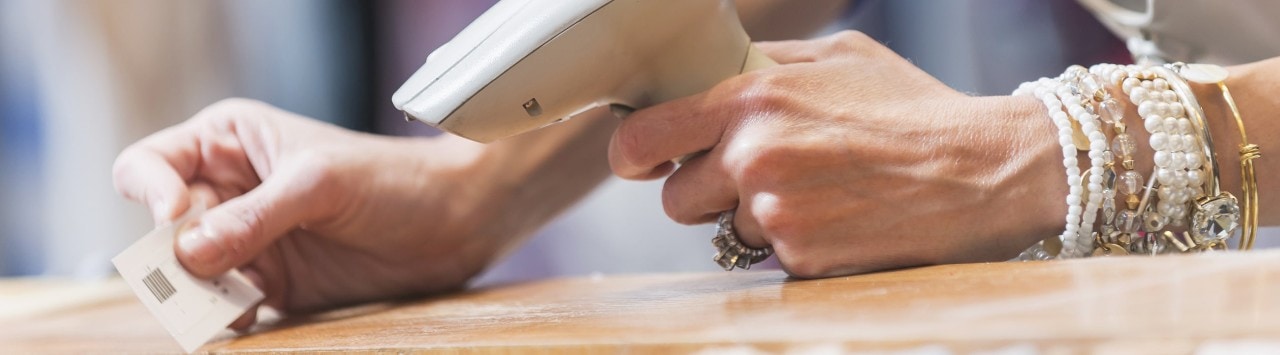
82,79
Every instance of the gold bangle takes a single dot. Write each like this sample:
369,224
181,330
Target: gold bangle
1248,152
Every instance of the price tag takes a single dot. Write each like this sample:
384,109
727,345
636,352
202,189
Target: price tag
193,310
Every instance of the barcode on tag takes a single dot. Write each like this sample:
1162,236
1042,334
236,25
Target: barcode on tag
159,285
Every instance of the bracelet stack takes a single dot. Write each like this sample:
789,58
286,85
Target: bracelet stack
1111,208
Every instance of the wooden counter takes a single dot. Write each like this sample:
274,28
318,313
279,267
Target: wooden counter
1224,302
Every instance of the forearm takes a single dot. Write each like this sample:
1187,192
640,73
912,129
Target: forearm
514,186
1253,86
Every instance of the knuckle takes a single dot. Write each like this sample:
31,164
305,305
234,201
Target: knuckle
248,225
317,170
805,268
850,41
324,174
759,91
778,223
784,225
761,166
852,37
231,109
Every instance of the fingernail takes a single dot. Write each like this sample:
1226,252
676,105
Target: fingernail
198,243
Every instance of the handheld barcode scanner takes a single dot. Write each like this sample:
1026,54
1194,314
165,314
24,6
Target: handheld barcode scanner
525,64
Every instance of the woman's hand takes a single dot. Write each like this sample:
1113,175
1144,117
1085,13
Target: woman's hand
848,159
317,216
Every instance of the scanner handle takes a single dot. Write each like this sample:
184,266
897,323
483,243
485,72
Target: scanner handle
756,60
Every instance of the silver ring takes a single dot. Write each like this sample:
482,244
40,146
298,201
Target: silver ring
731,252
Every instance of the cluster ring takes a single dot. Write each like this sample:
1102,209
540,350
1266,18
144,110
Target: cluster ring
730,252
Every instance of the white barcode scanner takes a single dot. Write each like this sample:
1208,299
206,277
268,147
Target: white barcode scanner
525,64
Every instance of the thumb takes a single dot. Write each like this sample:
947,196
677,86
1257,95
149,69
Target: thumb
235,232
789,52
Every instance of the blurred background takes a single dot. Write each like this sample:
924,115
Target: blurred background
82,79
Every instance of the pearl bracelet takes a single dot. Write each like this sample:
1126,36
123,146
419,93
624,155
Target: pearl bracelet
1173,141
1216,212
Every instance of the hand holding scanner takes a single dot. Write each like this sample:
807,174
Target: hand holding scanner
525,64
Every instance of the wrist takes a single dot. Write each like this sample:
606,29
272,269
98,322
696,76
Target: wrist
505,190
1222,127
1042,192
1253,86
1035,190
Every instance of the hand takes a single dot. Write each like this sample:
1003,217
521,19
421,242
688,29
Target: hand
848,159
317,216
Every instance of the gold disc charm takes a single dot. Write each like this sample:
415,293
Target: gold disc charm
1204,73
1110,249
1078,138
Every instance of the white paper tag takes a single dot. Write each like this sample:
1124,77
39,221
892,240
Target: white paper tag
192,310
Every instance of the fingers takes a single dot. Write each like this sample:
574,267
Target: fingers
246,320
701,190
204,193
650,138
250,315
698,191
746,224
154,172
239,229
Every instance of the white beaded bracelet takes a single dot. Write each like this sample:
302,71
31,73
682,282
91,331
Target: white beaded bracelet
1081,109
1096,107
1046,90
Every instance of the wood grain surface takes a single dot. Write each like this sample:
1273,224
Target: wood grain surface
1178,304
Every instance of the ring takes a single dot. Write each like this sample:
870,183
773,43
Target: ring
731,252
